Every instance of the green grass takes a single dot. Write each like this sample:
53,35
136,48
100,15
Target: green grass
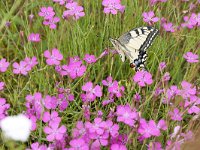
91,35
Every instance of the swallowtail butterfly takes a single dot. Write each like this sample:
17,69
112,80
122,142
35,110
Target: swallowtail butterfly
134,45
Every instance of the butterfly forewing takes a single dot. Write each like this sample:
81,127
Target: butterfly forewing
135,43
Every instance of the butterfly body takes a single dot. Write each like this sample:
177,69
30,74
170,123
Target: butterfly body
134,45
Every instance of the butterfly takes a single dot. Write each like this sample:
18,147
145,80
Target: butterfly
134,45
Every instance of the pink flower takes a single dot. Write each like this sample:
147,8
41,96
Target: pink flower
91,92
79,131
126,115
21,68
78,144
46,12
34,105
193,103
187,89
33,121
89,58
108,82
3,108
31,16
54,132
51,22
108,101
3,65
190,22
175,132
54,57
175,115
50,102
103,54
149,17
116,89
2,84
148,129
47,117
118,147
162,65
166,76
112,128
143,78
37,146
34,37
122,139
99,140
137,97
162,125
112,6
113,87
74,10
168,27
31,62
63,101
195,19
97,127
158,91
172,92
74,69
191,57
188,135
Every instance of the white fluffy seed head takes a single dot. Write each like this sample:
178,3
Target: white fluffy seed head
17,128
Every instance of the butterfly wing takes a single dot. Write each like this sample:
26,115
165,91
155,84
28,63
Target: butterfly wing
136,42
119,48
121,54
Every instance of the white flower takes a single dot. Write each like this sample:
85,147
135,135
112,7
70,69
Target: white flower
16,127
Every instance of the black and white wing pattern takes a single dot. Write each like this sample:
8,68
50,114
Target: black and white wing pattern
134,45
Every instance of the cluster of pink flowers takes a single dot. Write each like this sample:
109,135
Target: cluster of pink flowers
91,92
74,69
53,57
168,26
3,105
191,21
49,17
73,10
114,90
150,128
112,6
113,87
97,134
150,18
99,129
24,66
127,115
38,107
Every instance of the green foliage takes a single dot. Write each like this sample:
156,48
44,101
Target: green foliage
91,35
